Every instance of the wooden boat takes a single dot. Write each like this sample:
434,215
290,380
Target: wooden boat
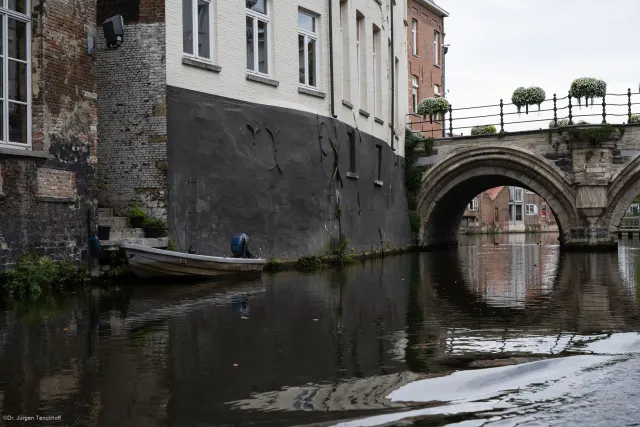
148,263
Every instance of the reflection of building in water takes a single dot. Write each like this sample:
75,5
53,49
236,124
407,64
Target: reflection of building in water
629,265
505,209
509,274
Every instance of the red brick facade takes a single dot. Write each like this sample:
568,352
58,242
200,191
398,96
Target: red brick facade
422,60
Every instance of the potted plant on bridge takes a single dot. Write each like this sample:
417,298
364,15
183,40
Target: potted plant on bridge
483,130
587,88
433,106
523,97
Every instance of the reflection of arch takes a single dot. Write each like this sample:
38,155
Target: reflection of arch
624,187
449,185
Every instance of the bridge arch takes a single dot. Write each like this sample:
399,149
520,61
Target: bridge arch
449,185
624,187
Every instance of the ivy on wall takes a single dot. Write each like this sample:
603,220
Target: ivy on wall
414,141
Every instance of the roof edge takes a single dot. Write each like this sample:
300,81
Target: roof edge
434,8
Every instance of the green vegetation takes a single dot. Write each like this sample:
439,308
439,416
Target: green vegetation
587,88
524,97
137,212
413,176
634,119
171,246
310,263
433,106
33,276
595,135
155,223
483,130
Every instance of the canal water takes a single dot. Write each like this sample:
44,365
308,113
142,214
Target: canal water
501,331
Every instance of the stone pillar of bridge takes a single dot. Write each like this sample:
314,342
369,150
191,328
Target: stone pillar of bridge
592,169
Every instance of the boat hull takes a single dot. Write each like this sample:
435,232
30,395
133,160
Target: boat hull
151,263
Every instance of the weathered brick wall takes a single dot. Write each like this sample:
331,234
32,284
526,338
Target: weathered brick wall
131,104
49,216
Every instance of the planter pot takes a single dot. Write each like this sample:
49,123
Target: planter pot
104,232
136,221
154,233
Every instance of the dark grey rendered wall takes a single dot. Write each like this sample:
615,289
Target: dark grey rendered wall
273,174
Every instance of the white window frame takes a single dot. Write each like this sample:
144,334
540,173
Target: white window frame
436,50
414,37
196,34
473,205
358,53
257,16
313,36
529,192
436,89
517,192
529,209
7,13
375,74
414,93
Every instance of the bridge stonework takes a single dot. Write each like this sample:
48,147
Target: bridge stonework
588,182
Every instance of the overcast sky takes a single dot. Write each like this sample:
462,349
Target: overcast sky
499,45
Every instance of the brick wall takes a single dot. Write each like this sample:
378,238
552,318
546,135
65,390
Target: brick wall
422,65
47,196
132,107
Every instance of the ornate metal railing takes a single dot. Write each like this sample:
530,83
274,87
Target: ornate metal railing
613,105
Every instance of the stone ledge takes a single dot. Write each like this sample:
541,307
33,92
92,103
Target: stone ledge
312,92
364,113
263,80
201,64
53,199
6,151
377,120
347,104
352,175
378,183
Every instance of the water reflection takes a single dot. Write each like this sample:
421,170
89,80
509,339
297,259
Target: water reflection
296,348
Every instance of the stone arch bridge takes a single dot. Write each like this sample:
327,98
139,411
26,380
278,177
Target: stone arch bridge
588,175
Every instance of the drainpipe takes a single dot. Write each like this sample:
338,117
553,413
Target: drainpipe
445,49
333,104
393,82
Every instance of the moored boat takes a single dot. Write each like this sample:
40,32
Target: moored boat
148,263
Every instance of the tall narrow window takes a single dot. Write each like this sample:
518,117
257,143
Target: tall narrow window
196,28
436,48
389,85
414,37
395,101
377,78
352,152
15,69
473,206
436,90
379,159
414,94
346,61
308,49
258,36
361,59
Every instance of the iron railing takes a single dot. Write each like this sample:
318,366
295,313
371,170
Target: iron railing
554,109
630,224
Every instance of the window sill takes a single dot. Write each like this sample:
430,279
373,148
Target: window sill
379,2
50,199
312,92
347,104
364,113
201,64
415,56
378,183
263,80
17,152
436,65
377,120
352,175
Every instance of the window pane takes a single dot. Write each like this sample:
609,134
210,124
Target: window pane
306,22
1,121
187,26
312,61
17,123
17,81
17,39
18,5
204,50
301,58
250,47
263,65
257,5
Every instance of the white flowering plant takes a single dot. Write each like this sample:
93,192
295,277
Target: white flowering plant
587,88
433,106
483,130
524,97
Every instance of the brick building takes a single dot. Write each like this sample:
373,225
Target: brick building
508,209
426,59
48,128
